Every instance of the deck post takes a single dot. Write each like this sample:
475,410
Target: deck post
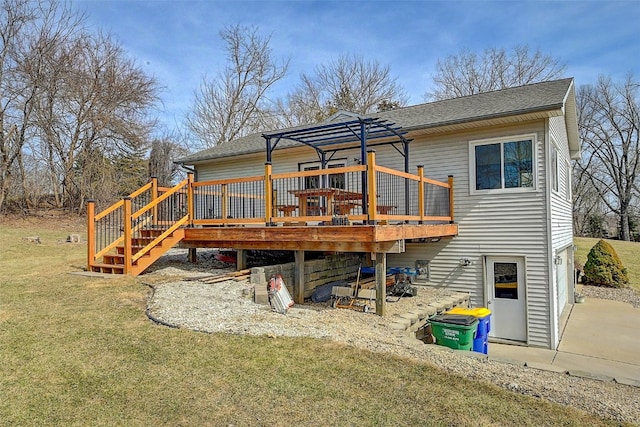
451,198
381,283
421,206
190,198
298,280
268,193
372,188
224,206
241,259
91,233
128,251
154,196
192,255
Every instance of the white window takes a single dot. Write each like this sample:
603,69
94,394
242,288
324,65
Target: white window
555,178
502,164
568,183
336,180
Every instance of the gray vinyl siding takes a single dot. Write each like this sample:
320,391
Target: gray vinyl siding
561,206
509,224
250,165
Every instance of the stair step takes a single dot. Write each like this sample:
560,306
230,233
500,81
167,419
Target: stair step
113,259
108,268
114,262
134,249
151,232
142,239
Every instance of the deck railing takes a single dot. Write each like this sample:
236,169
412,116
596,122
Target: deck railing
229,201
365,194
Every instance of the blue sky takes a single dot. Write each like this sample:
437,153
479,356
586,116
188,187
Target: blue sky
178,41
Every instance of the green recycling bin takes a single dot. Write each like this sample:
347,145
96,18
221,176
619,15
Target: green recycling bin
455,331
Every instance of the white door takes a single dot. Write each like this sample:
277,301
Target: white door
506,298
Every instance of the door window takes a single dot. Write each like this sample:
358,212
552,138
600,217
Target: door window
505,280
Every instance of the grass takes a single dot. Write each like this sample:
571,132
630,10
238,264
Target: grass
80,351
629,253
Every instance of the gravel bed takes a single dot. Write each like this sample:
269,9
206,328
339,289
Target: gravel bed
227,307
627,295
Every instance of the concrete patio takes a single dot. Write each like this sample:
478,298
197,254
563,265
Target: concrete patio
600,340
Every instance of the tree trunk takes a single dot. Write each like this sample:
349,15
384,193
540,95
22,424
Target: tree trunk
625,231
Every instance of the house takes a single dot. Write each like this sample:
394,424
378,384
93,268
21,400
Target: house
473,192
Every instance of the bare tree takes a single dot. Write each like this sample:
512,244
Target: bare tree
466,73
94,99
235,103
609,119
347,83
28,31
161,165
587,203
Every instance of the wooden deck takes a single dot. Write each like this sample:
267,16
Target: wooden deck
350,238
364,208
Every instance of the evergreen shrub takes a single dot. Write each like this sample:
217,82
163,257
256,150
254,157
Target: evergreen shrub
604,267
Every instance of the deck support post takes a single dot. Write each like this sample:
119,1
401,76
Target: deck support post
91,233
192,255
128,234
421,207
268,190
371,191
298,280
241,259
381,283
154,196
190,198
451,198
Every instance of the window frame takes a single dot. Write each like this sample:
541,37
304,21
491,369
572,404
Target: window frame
503,140
554,164
316,165
568,193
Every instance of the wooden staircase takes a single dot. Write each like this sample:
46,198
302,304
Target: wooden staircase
115,263
130,235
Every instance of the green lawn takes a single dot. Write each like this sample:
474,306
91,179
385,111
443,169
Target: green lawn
629,253
80,351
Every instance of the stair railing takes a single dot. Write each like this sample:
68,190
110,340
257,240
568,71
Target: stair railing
143,208
167,212
105,230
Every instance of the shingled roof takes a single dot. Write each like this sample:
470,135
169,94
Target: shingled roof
551,98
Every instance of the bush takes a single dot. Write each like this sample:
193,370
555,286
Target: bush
604,267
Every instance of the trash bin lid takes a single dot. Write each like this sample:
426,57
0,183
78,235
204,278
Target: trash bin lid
478,312
455,319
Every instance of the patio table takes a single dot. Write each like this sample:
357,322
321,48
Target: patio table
337,199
